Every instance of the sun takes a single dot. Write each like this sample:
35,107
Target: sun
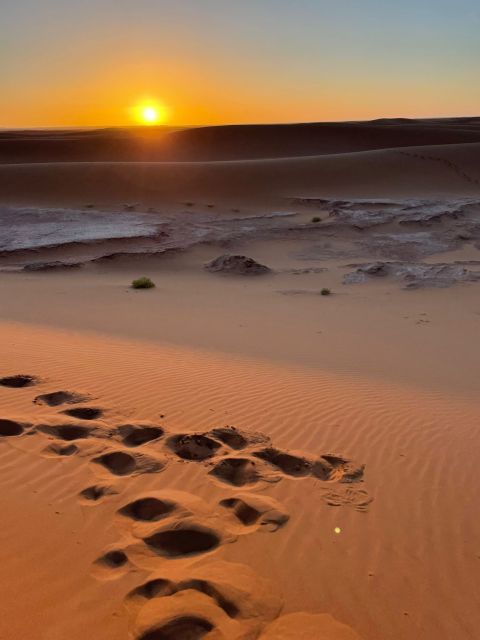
150,112
150,115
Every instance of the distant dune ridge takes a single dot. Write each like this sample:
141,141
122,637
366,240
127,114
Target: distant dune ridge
242,164
231,142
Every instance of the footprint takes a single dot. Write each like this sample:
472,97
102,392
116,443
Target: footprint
183,628
9,428
148,509
136,435
254,509
183,540
195,447
290,465
113,564
236,471
84,413
117,462
160,588
18,382
96,492
66,431
114,559
121,463
232,601
337,468
60,397
230,436
156,588
60,449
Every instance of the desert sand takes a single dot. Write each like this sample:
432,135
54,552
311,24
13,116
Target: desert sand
232,456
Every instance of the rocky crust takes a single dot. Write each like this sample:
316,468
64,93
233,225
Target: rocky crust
416,275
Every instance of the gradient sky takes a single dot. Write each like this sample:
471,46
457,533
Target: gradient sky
85,62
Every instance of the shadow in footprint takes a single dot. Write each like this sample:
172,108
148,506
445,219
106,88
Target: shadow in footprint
202,586
117,462
147,509
134,436
18,382
84,413
156,588
9,428
244,512
187,540
96,492
161,588
194,447
253,509
66,431
184,628
60,397
230,436
63,450
236,471
290,465
114,559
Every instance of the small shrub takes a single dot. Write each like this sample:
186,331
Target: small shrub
142,283
316,219
325,292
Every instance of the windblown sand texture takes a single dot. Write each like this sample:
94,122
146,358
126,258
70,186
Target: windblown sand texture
233,455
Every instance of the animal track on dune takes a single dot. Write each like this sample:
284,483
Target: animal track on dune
84,413
18,381
446,163
236,471
57,398
196,447
186,539
353,497
184,628
66,431
148,509
10,428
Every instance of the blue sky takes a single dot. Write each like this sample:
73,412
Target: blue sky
65,62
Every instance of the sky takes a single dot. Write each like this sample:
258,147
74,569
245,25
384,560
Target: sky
90,62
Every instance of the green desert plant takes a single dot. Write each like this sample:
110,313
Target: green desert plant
143,283
316,219
325,292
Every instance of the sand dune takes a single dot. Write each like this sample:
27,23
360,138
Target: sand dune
418,171
233,142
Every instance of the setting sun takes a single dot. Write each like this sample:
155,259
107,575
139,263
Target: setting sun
150,113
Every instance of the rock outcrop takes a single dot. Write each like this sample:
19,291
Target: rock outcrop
240,265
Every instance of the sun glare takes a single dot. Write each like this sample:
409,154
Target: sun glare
150,113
